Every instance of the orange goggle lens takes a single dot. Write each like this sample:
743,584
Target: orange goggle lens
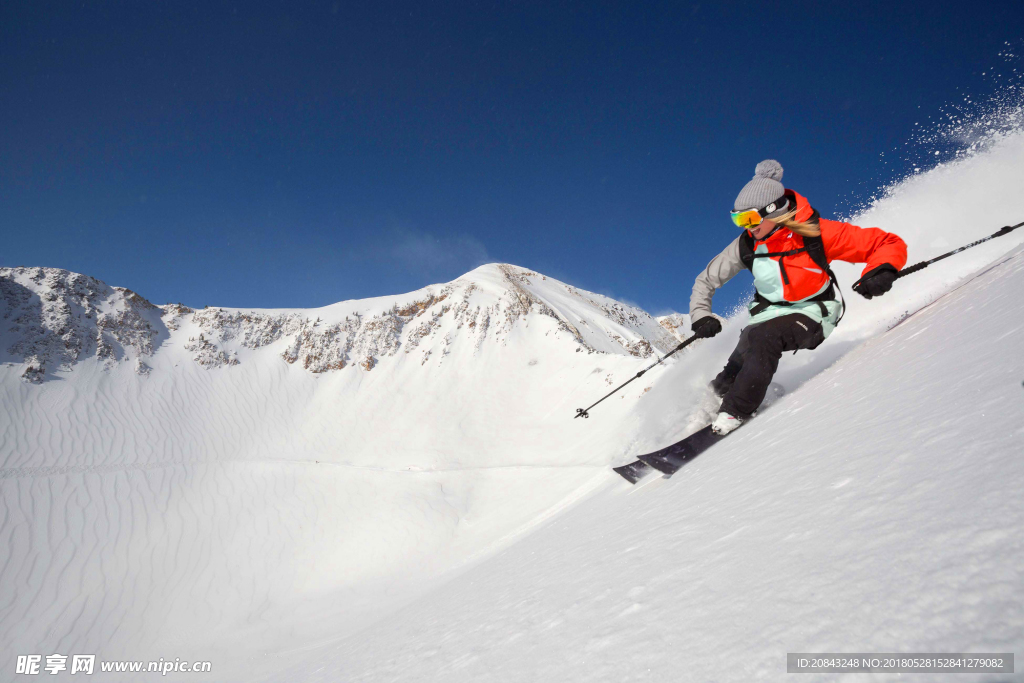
747,219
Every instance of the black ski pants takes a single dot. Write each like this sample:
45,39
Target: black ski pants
746,376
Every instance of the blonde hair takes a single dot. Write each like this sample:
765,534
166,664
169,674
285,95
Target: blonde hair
802,229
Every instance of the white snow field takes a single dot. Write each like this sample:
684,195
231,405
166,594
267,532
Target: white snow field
396,489
877,509
218,484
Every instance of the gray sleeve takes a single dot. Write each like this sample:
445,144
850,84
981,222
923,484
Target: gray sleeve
721,269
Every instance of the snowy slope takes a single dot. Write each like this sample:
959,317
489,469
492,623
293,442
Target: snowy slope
217,483
877,509
469,341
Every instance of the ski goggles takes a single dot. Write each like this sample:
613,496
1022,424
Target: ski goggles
751,218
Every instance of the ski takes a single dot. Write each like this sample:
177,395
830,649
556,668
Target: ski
670,459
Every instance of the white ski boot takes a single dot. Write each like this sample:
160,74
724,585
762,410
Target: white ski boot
725,423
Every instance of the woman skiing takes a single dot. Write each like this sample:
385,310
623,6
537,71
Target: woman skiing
787,246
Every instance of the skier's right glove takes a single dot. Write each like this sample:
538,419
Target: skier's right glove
876,281
707,326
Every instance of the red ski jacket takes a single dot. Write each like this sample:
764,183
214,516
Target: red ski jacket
802,276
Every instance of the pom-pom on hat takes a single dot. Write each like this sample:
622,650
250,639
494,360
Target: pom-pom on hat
763,189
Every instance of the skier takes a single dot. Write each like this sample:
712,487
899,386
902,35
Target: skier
787,246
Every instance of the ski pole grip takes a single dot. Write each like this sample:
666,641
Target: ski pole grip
912,269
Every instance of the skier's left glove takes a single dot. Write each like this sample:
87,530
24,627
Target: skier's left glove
705,327
876,281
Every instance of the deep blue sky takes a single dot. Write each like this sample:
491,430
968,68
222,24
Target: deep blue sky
301,153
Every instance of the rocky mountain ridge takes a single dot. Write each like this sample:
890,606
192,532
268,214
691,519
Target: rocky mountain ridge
53,319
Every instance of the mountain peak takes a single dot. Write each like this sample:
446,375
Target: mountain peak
56,318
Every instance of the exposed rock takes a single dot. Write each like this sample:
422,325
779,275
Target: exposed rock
207,354
56,318
173,314
677,324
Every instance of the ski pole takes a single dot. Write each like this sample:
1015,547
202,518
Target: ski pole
924,264
581,412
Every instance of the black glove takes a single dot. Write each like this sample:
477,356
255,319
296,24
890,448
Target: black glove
876,281
707,326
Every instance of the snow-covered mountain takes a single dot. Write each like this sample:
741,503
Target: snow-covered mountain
56,318
264,489
474,341
183,481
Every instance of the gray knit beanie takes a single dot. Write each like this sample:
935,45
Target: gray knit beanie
763,189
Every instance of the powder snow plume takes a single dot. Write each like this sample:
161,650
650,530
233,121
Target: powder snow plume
965,183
